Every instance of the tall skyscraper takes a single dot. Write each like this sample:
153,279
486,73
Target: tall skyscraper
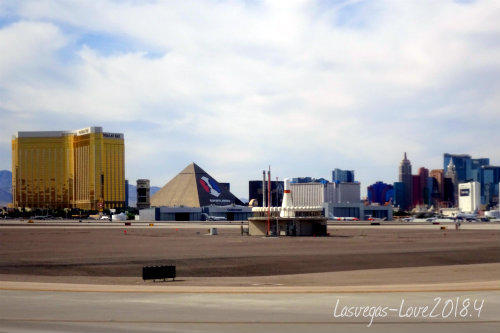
423,174
438,175
476,165
467,168
255,191
462,164
399,194
452,175
143,194
343,176
380,193
417,191
406,178
437,193
489,179
68,169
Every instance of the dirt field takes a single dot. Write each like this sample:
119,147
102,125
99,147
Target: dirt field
99,253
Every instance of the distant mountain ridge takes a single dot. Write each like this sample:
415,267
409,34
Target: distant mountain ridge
5,187
132,193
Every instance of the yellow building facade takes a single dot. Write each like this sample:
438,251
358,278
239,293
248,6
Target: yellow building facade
68,169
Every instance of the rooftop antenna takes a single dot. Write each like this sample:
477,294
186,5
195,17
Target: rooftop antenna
263,188
268,200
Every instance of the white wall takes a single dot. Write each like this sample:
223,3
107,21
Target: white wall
307,194
348,192
469,197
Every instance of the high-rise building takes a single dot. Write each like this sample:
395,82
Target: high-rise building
343,176
448,192
425,185
436,176
467,168
475,169
143,194
489,179
462,163
469,197
438,191
126,192
68,169
399,194
255,191
452,174
406,178
417,191
476,165
380,193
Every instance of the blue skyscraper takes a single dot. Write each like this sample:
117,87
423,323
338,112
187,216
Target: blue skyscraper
467,167
399,195
476,164
380,193
489,179
462,164
345,176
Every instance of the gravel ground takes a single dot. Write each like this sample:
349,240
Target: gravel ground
94,255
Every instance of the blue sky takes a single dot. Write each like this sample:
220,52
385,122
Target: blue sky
306,86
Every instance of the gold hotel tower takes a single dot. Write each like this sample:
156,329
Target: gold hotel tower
68,169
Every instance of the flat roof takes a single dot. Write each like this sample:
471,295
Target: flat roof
58,134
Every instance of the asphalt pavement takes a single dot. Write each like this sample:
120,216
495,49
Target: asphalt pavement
49,311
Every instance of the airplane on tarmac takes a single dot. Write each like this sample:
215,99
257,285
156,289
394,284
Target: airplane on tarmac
349,218
346,218
471,217
206,217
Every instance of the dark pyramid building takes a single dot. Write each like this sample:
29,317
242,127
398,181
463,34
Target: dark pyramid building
193,187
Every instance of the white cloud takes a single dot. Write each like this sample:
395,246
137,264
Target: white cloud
236,85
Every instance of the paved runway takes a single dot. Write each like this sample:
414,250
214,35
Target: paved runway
35,311
420,224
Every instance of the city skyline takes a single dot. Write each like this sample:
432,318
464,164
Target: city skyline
236,86
363,185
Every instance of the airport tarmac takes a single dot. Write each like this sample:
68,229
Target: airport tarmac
418,224
70,253
49,311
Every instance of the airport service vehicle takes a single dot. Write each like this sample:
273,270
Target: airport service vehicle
206,217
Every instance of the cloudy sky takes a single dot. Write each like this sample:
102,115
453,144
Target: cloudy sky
305,86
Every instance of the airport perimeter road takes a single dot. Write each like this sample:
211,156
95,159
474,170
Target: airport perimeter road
37,311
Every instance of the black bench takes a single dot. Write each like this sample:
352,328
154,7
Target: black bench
158,272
